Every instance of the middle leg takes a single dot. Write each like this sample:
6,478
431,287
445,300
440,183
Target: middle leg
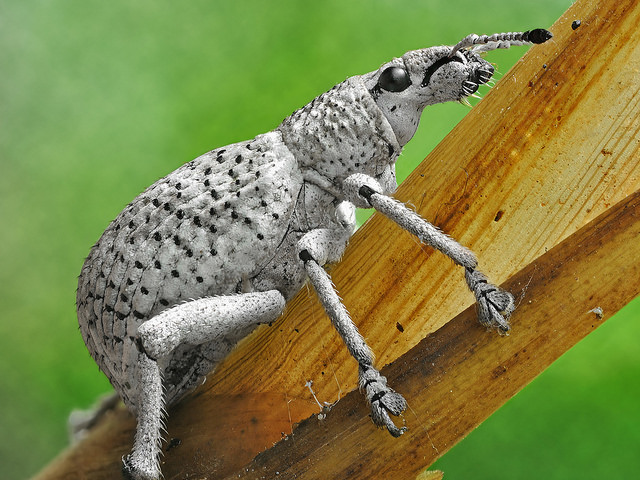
382,399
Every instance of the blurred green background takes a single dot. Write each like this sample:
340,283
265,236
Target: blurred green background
99,99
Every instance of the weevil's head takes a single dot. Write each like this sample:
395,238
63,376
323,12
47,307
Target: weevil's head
403,87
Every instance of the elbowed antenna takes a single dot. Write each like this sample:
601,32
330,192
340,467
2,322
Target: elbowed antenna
485,43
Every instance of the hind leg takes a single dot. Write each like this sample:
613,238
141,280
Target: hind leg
142,462
222,320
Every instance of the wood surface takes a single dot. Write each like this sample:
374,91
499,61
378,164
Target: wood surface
541,180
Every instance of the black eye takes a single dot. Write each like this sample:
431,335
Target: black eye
394,79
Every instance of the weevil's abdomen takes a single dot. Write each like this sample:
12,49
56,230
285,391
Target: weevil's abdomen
205,229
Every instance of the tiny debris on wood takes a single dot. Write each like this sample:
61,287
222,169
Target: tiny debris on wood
598,311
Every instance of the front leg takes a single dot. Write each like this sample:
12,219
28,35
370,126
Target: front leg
494,304
326,244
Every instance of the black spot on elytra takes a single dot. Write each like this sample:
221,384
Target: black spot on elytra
213,229
234,215
199,279
207,171
124,298
156,202
239,159
196,221
144,290
157,264
164,301
213,252
189,253
138,264
260,236
176,239
175,273
157,237
180,214
215,195
138,315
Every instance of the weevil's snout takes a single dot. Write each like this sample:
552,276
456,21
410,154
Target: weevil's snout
453,77
480,72
403,87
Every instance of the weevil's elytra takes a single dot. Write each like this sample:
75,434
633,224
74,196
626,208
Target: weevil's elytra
217,247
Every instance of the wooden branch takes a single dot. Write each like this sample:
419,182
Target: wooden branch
548,162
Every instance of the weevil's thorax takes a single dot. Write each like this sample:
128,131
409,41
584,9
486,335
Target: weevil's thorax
403,87
340,133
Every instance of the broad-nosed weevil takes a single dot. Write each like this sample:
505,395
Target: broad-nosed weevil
204,255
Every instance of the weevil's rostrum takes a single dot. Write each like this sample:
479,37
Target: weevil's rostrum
218,246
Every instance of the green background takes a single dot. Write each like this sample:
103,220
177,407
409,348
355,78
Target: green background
99,99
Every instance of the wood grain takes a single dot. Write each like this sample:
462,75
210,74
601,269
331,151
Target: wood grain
538,166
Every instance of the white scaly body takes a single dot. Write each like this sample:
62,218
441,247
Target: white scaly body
218,246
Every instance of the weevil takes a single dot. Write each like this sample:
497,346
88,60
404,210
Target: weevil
217,247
